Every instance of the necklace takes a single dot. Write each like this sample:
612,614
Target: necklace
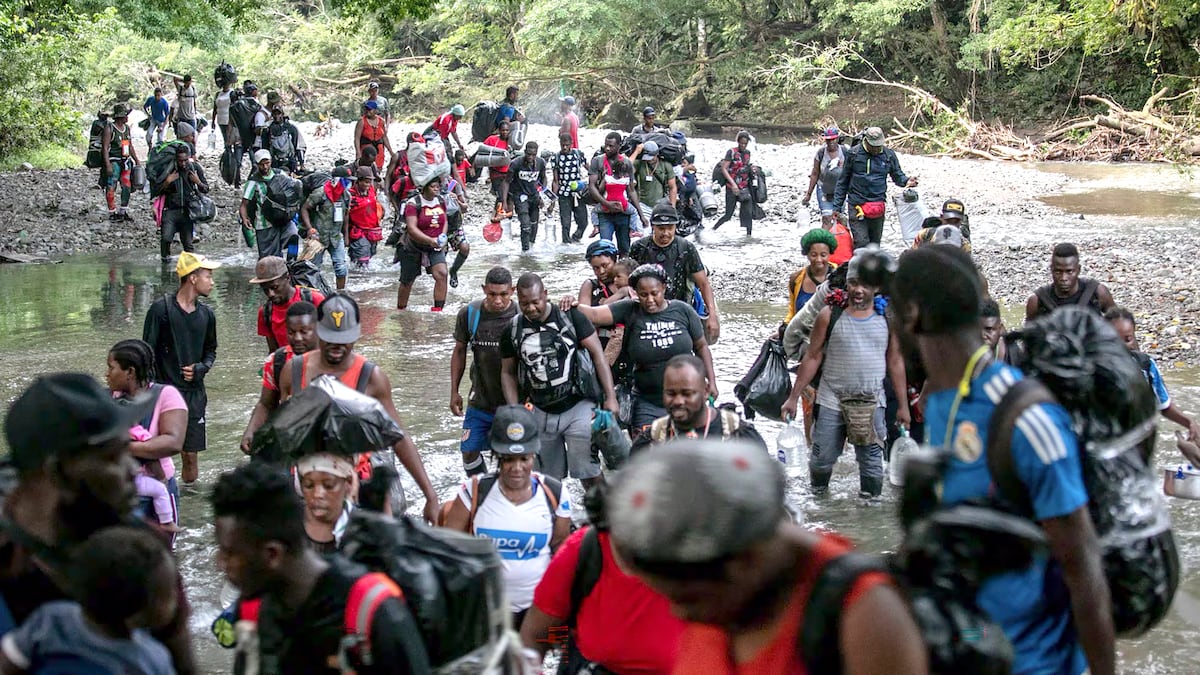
708,411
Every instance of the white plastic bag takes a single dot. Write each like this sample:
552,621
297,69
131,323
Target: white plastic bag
427,161
911,215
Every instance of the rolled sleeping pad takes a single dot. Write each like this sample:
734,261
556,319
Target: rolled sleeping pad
137,177
708,202
489,157
516,135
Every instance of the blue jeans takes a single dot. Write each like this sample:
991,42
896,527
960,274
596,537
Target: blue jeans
824,201
614,223
829,436
337,253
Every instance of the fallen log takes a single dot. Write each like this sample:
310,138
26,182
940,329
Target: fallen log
761,126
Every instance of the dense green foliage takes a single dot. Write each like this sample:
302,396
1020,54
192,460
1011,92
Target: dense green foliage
1024,61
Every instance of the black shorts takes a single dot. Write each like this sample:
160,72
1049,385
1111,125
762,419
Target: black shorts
413,259
196,438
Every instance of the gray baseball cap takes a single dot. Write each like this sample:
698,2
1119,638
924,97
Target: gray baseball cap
514,431
694,502
337,320
947,234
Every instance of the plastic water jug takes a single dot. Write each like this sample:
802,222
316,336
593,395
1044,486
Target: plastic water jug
789,444
903,446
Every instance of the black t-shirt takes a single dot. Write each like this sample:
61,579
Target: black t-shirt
679,259
546,357
652,339
486,392
525,179
306,641
179,339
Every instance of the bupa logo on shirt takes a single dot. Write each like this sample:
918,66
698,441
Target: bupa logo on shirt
515,545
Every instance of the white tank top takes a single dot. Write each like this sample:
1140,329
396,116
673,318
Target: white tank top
223,108
522,535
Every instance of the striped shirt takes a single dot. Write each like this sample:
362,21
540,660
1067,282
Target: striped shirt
855,359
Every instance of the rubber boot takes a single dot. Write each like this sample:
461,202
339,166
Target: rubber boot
870,488
820,481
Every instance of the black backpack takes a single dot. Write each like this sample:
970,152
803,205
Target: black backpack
281,143
241,114
758,185
160,162
1075,358
483,120
224,74
283,199
313,182
95,153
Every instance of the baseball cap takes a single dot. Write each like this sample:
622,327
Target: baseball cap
269,268
664,214
249,87
65,413
364,172
953,207
648,111
190,262
337,320
185,130
691,502
373,85
260,155
371,105
832,132
874,137
569,100
650,149
514,431
947,234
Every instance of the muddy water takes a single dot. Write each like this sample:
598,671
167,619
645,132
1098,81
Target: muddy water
1136,190
59,317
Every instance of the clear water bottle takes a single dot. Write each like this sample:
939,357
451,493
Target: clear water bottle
788,444
901,448
212,141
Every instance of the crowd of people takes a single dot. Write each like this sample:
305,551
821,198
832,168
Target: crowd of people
689,561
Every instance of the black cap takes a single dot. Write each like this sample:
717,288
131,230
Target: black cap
514,431
66,413
648,111
664,214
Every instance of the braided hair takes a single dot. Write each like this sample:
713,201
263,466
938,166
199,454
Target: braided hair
136,355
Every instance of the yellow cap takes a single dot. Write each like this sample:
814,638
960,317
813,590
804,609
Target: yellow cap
190,262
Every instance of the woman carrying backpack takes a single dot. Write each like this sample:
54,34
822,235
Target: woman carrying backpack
735,170
364,218
372,130
423,244
525,513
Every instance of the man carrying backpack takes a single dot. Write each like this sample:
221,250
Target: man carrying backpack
271,275
301,323
704,523
293,606
569,183
324,216
270,230
284,141
185,103
185,179
689,413
1056,613
543,364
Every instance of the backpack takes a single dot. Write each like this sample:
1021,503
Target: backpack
580,383
160,162
483,120
230,163
758,185
241,114
307,275
1073,357
95,153
313,182
451,581
281,144
282,200
224,74
730,423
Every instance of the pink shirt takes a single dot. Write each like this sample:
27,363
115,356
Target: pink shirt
168,399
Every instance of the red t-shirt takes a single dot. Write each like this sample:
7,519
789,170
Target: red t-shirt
279,317
622,624
705,649
431,216
268,370
571,121
445,125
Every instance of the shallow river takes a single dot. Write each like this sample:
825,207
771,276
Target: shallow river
65,317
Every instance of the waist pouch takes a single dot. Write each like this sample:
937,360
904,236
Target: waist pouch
858,412
872,209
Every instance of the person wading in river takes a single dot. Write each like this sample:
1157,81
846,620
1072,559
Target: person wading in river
480,326
854,354
119,158
68,445
182,331
681,263
1056,613
271,275
1067,287
301,339
338,329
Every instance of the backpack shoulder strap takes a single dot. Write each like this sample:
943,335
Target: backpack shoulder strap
552,487
1023,395
658,429
730,422
474,312
1046,297
480,487
364,377
366,595
1090,286
819,648
278,359
297,373
306,294
587,571
835,313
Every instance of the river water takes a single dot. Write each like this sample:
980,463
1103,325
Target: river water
65,317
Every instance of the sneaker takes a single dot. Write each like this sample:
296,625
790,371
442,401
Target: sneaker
189,488
435,309
454,280
863,494
820,491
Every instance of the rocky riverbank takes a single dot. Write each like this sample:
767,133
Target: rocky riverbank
1144,262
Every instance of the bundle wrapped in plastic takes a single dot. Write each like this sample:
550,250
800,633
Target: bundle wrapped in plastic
427,160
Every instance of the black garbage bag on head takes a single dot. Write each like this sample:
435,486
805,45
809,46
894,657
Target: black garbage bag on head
1076,358
452,582
325,417
766,387
483,120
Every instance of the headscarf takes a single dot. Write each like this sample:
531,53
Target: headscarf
818,235
334,465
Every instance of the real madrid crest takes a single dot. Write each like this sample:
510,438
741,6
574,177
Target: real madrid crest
515,431
967,444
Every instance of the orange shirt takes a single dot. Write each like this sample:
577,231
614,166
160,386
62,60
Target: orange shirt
706,650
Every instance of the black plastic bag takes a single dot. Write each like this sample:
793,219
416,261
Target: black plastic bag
758,188
231,161
766,387
325,417
452,582
306,273
282,201
1081,361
